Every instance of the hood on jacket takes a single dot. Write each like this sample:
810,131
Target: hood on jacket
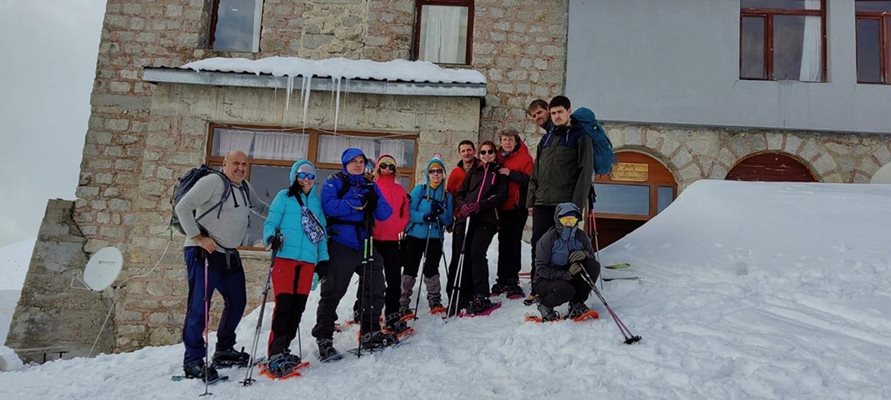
430,189
349,154
297,168
566,209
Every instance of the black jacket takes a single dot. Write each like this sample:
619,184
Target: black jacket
483,185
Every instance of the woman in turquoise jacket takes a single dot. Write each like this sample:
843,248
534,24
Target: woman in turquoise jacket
297,213
430,211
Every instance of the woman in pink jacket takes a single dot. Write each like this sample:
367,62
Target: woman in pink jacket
387,235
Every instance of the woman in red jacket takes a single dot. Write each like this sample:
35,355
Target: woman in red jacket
516,166
387,234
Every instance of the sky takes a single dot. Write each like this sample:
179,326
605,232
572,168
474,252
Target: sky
49,50
741,295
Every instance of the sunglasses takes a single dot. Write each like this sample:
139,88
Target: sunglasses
306,175
391,167
569,220
484,152
435,172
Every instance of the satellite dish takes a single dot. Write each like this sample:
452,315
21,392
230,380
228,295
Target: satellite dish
103,268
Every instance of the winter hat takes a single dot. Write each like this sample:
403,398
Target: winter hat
435,163
308,168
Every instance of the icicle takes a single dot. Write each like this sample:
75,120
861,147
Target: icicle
336,103
307,80
288,93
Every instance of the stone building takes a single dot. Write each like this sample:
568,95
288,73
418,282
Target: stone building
689,90
150,122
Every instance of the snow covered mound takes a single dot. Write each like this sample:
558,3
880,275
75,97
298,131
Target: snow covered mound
14,261
747,291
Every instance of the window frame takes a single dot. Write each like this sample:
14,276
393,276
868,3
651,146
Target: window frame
416,35
768,14
884,19
407,171
258,27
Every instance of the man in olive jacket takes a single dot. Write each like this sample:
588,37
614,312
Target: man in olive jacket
564,166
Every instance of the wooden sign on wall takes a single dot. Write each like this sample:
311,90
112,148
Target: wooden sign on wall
630,172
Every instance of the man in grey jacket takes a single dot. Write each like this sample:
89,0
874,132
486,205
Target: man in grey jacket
211,245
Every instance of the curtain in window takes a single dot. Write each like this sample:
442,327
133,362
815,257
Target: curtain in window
280,146
441,34
395,148
331,147
811,52
231,140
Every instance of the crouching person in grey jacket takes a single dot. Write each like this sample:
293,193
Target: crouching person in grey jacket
562,255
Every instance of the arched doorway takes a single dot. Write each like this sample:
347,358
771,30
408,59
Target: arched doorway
637,189
770,167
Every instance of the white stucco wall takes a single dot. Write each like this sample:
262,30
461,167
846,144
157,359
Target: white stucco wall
678,62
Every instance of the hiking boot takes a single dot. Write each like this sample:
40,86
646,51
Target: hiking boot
282,364
531,299
577,310
498,289
548,313
479,305
514,291
377,340
230,358
195,369
327,352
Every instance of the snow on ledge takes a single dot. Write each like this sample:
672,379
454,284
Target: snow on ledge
395,70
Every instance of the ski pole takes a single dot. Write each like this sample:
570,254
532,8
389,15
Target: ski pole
630,338
206,322
248,375
459,273
421,269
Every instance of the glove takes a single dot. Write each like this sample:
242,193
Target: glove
577,256
315,282
369,199
575,268
322,268
468,210
275,242
430,217
436,208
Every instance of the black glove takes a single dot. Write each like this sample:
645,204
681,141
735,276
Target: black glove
578,255
430,217
369,199
322,269
275,242
575,268
436,208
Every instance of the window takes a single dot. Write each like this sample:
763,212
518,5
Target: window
271,153
443,31
235,25
782,40
873,41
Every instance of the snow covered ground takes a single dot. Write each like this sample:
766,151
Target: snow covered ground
14,260
748,291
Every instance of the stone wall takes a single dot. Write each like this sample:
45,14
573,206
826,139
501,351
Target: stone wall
151,310
693,153
73,321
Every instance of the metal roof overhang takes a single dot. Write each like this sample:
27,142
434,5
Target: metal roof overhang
237,79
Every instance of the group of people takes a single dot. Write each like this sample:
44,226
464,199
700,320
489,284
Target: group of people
365,223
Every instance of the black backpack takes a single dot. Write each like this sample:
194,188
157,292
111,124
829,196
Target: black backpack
186,183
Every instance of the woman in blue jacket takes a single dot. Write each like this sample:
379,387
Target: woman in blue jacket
297,213
430,211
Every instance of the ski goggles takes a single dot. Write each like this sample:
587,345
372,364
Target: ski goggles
388,166
569,220
306,175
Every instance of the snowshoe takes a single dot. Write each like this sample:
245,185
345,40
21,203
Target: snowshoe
283,366
548,313
377,340
480,306
195,369
230,357
514,292
398,326
327,352
406,314
437,308
577,310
